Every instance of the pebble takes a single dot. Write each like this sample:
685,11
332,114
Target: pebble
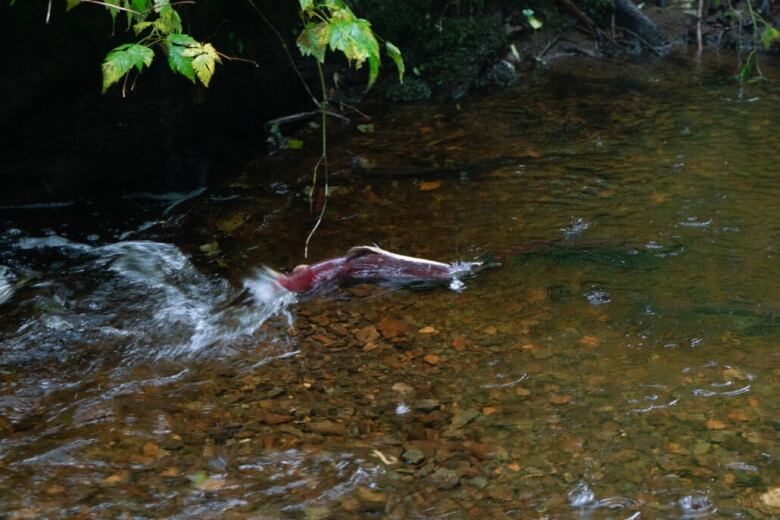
478,482
413,456
426,405
326,427
771,498
463,417
444,478
370,500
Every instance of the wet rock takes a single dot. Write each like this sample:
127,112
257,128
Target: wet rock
350,504
446,508
479,482
371,500
403,388
54,489
143,460
500,74
432,359
171,443
339,329
444,478
413,456
317,512
325,341
367,334
771,498
463,417
393,327
117,478
560,399
151,449
274,392
748,479
322,320
700,448
326,427
501,492
426,405
480,450
275,418
5,425
171,472
412,90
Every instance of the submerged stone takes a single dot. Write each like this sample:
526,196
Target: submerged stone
444,478
413,456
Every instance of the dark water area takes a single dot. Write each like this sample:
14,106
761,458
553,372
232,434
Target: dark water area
621,363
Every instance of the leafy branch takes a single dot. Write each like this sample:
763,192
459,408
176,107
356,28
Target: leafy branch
331,25
159,25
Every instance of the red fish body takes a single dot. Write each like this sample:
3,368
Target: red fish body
370,264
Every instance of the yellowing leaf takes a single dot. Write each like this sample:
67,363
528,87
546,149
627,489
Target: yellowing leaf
122,59
313,40
204,59
354,37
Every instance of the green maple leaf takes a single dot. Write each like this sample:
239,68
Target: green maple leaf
177,45
395,55
356,40
122,59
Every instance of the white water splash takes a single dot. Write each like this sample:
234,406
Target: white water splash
143,298
6,288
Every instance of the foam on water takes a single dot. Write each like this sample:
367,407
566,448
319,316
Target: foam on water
144,298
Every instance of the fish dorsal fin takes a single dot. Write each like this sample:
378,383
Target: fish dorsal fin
362,250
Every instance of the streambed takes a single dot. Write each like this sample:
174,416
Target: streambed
622,363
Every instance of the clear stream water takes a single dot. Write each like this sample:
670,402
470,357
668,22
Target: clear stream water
621,363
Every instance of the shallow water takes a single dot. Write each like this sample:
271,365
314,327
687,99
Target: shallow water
621,363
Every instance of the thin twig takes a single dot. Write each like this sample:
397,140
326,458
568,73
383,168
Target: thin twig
234,58
323,160
355,109
319,217
214,33
286,50
576,11
549,45
48,12
651,47
303,115
699,14
111,6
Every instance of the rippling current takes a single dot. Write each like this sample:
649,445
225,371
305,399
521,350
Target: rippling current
622,362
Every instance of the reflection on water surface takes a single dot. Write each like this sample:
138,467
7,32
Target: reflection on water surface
622,362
